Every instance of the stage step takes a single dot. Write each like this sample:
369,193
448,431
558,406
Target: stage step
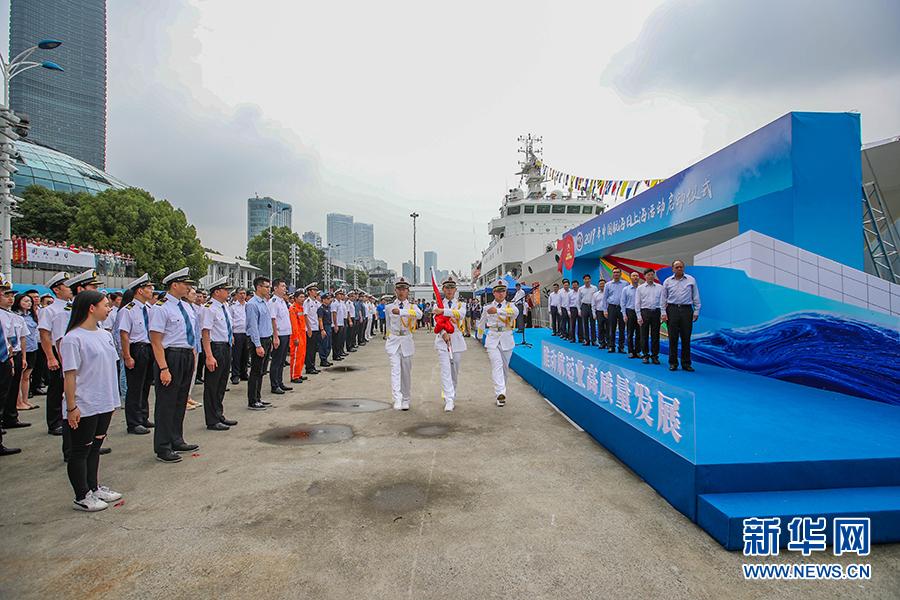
722,515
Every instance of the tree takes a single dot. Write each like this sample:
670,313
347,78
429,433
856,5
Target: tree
130,221
309,258
361,277
46,213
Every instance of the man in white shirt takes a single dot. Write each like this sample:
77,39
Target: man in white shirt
598,306
553,304
519,301
646,303
240,351
281,336
311,312
59,285
563,304
576,333
585,310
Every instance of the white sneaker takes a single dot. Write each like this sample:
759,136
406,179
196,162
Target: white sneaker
448,405
405,405
501,400
397,405
90,503
106,494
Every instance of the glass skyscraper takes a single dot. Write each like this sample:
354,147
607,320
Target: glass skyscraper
260,210
67,110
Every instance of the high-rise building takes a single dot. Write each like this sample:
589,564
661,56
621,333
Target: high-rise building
260,210
341,236
312,237
68,109
408,272
364,238
429,262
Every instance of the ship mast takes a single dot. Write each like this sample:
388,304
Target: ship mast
530,174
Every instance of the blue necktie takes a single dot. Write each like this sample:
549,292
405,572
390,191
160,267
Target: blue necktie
4,351
227,320
187,325
146,319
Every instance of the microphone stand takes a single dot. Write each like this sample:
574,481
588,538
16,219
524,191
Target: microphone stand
523,342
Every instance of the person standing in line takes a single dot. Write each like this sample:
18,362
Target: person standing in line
553,304
402,317
338,330
16,330
519,301
39,368
633,329
259,330
214,322
324,331
5,373
23,306
563,304
681,300
450,346
240,355
92,395
586,311
612,295
281,336
58,285
381,318
497,322
313,331
351,323
191,300
599,307
646,300
576,332
298,337
134,333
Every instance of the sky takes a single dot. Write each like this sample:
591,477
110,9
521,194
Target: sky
380,109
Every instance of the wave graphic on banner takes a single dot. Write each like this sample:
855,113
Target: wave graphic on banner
821,350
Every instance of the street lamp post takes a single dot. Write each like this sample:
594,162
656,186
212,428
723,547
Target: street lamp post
8,120
271,221
327,274
414,278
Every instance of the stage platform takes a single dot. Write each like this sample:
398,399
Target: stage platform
742,446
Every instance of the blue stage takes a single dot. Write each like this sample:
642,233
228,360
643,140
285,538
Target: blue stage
736,445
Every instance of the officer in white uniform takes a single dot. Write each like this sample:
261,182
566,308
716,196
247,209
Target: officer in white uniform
497,323
449,359
214,322
134,333
59,285
311,310
402,316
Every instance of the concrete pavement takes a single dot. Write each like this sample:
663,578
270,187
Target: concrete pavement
483,502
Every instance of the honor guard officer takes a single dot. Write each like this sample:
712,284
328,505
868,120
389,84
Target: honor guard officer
59,285
497,323
215,330
311,310
134,333
172,339
402,316
450,346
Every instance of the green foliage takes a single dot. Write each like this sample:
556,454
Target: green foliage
310,259
46,214
361,277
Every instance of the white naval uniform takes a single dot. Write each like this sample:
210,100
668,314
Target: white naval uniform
400,348
456,312
498,340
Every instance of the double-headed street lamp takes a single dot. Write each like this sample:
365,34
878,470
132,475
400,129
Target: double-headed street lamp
414,278
8,124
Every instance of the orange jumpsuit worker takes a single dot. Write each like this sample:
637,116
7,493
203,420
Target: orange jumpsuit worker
298,337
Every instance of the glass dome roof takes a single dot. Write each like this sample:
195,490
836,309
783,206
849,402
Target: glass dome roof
57,171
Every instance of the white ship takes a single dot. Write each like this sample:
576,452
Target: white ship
530,221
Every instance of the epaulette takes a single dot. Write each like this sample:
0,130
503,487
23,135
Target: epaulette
130,305
67,307
161,302
208,303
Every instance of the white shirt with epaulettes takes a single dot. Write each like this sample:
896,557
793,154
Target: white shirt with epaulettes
456,312
399,328
498,327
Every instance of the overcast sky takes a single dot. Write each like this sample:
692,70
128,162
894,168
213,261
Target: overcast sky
380,109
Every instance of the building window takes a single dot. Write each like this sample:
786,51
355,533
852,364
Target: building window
588,210
573,210
557,210
543,209
513,210
529,209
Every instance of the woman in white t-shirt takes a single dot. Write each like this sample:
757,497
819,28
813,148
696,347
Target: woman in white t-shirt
91,395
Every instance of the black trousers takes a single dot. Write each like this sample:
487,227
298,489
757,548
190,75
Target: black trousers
324,345
602,326
37,375
563,322
681,323
215,382
361,334
650,331
575,331
381,324
337,342
614,315
276,367
171,400
201,365
139,379
257,367
10,389
10,415
349,339
84,459
554,320
588,324
312,347
240,356
54,396
633,332
520,318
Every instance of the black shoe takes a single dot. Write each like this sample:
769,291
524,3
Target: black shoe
352,350
593,343
2,431
139,430
689,369
286,364
298,380
235,381
105,450
324,364
285,388
149,424
277,391
4,451
632,355
185,447
586,344
673,367
655,361
198,380
16,425
57,431
218,427
338,358
245,378
257,406
621,350
227,389
229,422
646,361
611,351
315,371
168,457
40,392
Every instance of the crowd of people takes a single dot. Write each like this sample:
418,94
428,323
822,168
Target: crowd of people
108,262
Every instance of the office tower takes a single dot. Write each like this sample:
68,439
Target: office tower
408,272
312,237
429,262
260,210
340,233
364,239
68,109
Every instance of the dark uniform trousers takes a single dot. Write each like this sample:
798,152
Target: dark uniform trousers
171,400
215,382
633,332
680,323
240,356
563,322
37,375
139,379
602,327
11,387
361,333
323,343
257,367
615,322
6,376
588,324
349,338
650,331
54,397
554,320
312,347
276,368
575,331
337,342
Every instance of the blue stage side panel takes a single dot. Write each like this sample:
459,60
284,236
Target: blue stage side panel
672,476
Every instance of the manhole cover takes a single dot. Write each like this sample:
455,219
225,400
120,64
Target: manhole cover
345,368
307,434
347,405
398,498
430,431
